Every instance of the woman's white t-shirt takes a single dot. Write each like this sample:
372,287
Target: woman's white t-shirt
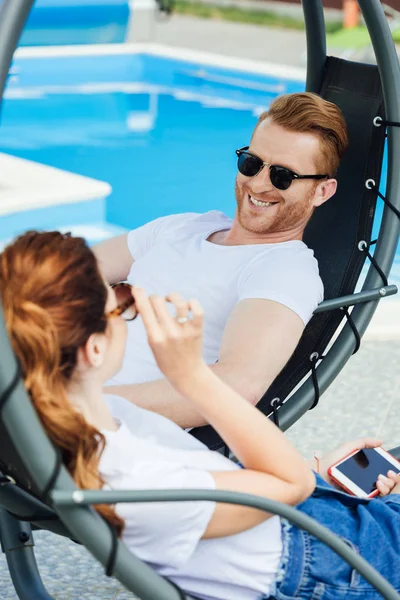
149,451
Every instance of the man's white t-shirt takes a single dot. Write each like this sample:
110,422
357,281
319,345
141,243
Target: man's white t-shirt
150,452
172,254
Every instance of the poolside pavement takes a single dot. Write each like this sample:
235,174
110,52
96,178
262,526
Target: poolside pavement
252,42
255,42
363,400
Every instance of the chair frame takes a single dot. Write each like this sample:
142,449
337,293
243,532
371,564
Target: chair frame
73,515
366,302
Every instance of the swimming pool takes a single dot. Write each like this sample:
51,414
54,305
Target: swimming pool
161,130
53,22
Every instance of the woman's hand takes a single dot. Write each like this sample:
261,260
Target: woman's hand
343,450
176,342
387,483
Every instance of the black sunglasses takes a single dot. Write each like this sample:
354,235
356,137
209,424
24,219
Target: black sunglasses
250,165
126,303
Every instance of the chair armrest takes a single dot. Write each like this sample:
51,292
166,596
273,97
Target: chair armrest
360,297
299,519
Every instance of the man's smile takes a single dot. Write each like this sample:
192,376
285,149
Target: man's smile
261,203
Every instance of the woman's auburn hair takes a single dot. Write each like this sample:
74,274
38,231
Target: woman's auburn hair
306,112
54,299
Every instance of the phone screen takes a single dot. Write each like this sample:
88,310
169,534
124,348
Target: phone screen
364,467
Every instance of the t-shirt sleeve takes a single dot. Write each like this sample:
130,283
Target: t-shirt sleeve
287,276
165,533
142,239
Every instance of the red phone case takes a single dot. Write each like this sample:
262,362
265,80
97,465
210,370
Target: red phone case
372,494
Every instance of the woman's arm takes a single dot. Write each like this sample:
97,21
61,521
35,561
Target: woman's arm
273,467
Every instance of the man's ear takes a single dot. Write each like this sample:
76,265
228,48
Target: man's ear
92,354
324,190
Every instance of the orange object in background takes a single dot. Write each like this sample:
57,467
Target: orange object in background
351,14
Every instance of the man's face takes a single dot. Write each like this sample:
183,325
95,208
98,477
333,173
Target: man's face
282,210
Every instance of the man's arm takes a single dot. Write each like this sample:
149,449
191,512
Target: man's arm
259,338
114,258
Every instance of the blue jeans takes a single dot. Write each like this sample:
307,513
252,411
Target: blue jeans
312,571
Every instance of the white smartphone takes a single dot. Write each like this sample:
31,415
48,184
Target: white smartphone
358,472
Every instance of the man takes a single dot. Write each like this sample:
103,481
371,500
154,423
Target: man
257,281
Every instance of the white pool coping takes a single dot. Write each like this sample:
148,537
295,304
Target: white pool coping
28,185
164,51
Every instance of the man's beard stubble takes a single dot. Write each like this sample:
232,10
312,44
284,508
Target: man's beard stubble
288,216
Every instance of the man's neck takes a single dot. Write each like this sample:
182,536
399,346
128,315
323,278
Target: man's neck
238,236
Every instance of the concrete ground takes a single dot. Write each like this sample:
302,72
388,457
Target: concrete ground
253,42
364,398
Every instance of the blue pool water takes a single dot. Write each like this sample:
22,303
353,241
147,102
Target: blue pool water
56,22
162,132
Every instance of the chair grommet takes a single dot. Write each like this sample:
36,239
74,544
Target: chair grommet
370,184
275,404
377,121
78,496
314,357
362,245
7,479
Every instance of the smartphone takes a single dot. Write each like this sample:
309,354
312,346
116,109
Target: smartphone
357,473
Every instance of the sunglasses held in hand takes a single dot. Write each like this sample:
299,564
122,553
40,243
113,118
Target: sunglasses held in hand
126,303
281,178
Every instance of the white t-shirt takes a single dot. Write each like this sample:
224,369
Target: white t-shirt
172,254
150,452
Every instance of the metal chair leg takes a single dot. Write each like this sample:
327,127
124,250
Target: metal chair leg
17,544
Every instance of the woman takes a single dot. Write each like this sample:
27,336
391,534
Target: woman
65,326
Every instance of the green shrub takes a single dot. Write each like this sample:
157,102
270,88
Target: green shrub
242,15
